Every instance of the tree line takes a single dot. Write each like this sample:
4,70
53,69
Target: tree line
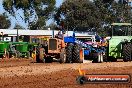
80,15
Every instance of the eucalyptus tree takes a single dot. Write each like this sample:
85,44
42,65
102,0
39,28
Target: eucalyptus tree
36,12
4,22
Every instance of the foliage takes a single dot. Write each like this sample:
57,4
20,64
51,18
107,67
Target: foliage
4,22
53,26
112,12
17,26
98,15
79,13
41,9
38,25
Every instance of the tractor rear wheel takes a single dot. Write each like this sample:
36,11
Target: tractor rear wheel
69,50
39,54
126,52
63,56
76,53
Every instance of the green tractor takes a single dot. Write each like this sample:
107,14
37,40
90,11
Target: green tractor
4,49
22,49
7,50
120,44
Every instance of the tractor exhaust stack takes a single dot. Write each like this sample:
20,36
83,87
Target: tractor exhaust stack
53,33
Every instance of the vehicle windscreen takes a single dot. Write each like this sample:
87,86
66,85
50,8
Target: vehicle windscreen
121,30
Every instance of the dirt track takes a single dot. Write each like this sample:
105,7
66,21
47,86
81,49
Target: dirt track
22,73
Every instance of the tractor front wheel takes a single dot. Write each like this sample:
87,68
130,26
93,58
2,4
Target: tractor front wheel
39,54
63,56
28,55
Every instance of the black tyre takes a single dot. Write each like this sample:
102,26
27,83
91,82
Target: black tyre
113,59
15,55
39,54
98,58
18,54
63,56
69,50
105,55
76,53
1,56
95,60
23,55
48,59
126,52
28,55
12,55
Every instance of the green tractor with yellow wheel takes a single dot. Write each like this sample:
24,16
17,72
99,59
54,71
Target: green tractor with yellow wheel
120,44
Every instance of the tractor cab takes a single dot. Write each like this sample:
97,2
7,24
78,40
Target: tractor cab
121,37
121,29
